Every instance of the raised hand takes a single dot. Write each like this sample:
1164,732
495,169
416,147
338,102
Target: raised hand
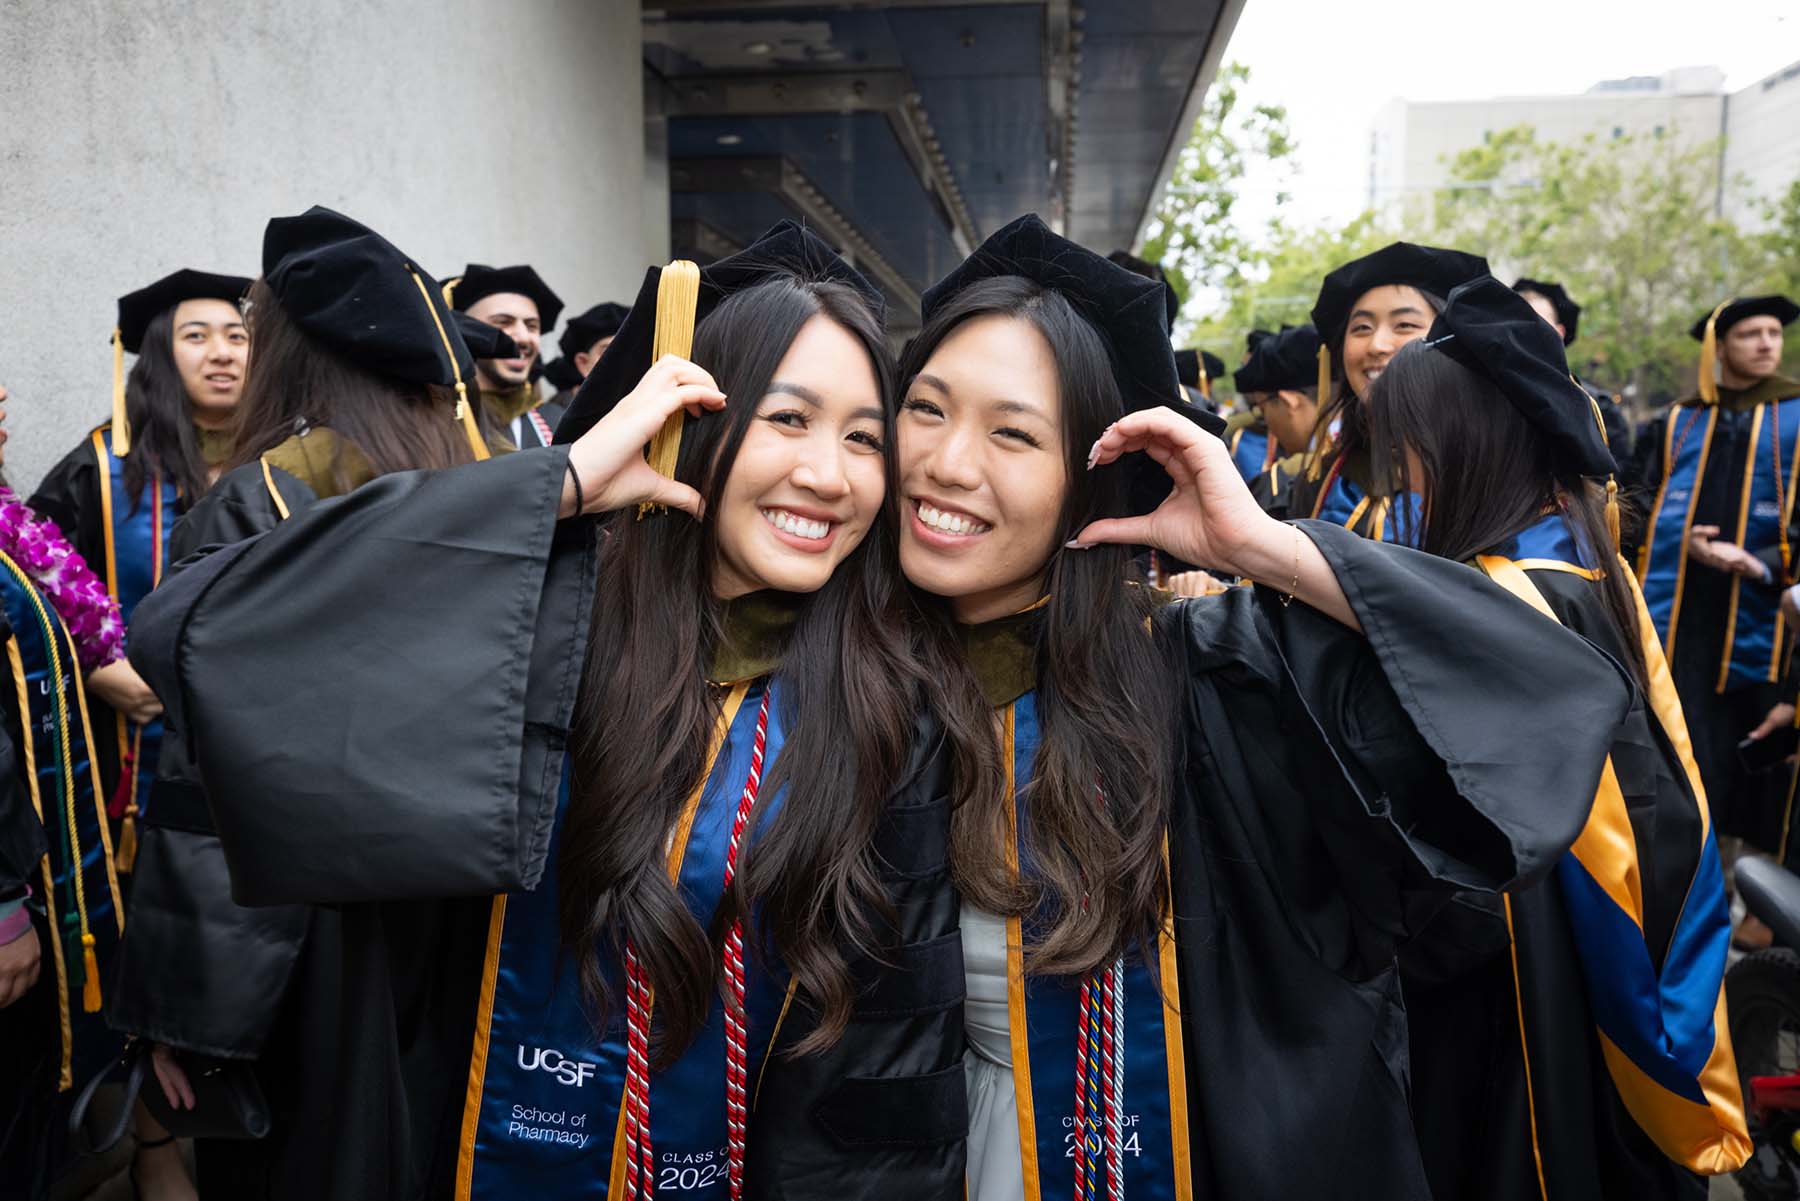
609,459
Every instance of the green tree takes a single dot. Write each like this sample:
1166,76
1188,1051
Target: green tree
1628,225
1194,233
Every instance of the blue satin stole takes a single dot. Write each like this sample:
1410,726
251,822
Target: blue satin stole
1045,1016
546,1089
1754,629
1250,451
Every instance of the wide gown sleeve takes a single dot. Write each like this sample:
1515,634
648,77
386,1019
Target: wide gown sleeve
353,684
21,833
69,495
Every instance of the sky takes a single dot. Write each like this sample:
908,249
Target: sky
1334,64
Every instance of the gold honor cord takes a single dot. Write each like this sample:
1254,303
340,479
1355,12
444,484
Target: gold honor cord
1709,352
465,414
1612,481
677,303
121,426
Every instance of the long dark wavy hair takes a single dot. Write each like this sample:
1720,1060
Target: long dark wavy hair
1344,407
1093,817
849,692
163,441
294,381
1488,473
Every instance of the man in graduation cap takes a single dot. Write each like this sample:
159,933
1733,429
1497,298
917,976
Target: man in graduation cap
516,301
1717,473
584,339
1552,302
1280,381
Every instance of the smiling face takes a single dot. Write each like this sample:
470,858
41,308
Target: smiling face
515,316
982,468
1382,321
1749,351
808,479
210,348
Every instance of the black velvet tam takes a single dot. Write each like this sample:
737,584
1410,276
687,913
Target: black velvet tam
588,328
563,374
354,290
1491,329
1427,268
1255,338
1149,270
478,280
786,251
138,309
1284,361
1568,313
1187,366
484,340
1778,307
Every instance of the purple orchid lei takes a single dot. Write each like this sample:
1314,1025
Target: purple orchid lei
75,592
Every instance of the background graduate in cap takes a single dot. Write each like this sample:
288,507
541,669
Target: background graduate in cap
584,339
1367,309
1552,302
118,494
360,370
462,766
1716,474
1180,894
1568,1040
516,301
1280,380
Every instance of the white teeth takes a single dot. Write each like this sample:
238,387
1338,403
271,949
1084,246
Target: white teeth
793,523
950,523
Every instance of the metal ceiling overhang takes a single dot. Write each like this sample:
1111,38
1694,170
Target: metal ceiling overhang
906,132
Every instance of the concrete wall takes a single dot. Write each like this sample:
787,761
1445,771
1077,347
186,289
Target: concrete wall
1762,127
139,136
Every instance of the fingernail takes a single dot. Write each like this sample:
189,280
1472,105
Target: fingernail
1076,543
1093,454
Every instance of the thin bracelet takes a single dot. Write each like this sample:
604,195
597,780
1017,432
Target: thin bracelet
1295,586
581,501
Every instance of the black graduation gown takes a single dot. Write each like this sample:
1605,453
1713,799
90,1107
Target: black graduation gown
1745,805
1496,1116
332,1005
1425,768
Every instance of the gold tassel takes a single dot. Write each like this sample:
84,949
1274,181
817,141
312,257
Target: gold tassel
449,291
125,858
90,967
464,412
1315,459
677,302
121,426
1709,354
1205,379
1612,512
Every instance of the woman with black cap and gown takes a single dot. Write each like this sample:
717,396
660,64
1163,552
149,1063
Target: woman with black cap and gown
359,371
118,494
1367,309
635,731
1179,934
1568,1040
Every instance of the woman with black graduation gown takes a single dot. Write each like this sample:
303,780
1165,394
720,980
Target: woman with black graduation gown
358,354
60,907
1366,311
1570,1040
1323,773
460,766
118,494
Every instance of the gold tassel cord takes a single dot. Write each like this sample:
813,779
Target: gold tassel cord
1316,456
126,858
464,414
121,425
1612,482
1205,379
677,303
1709,353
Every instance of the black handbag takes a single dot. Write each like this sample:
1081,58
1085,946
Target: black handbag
228,1100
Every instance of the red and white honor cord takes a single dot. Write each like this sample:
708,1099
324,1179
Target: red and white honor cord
1100,1082
737,1056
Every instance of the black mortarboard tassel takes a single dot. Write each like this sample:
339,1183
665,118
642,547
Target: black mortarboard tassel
138,309
1568,313
354,290
1125,308
1492,330
478,280
786,250
485,341
589,327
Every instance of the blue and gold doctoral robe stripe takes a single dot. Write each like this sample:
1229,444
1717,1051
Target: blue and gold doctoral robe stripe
1663,1033
542,1114
136,529
1044,1017
77,885
1754,631
1252,450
